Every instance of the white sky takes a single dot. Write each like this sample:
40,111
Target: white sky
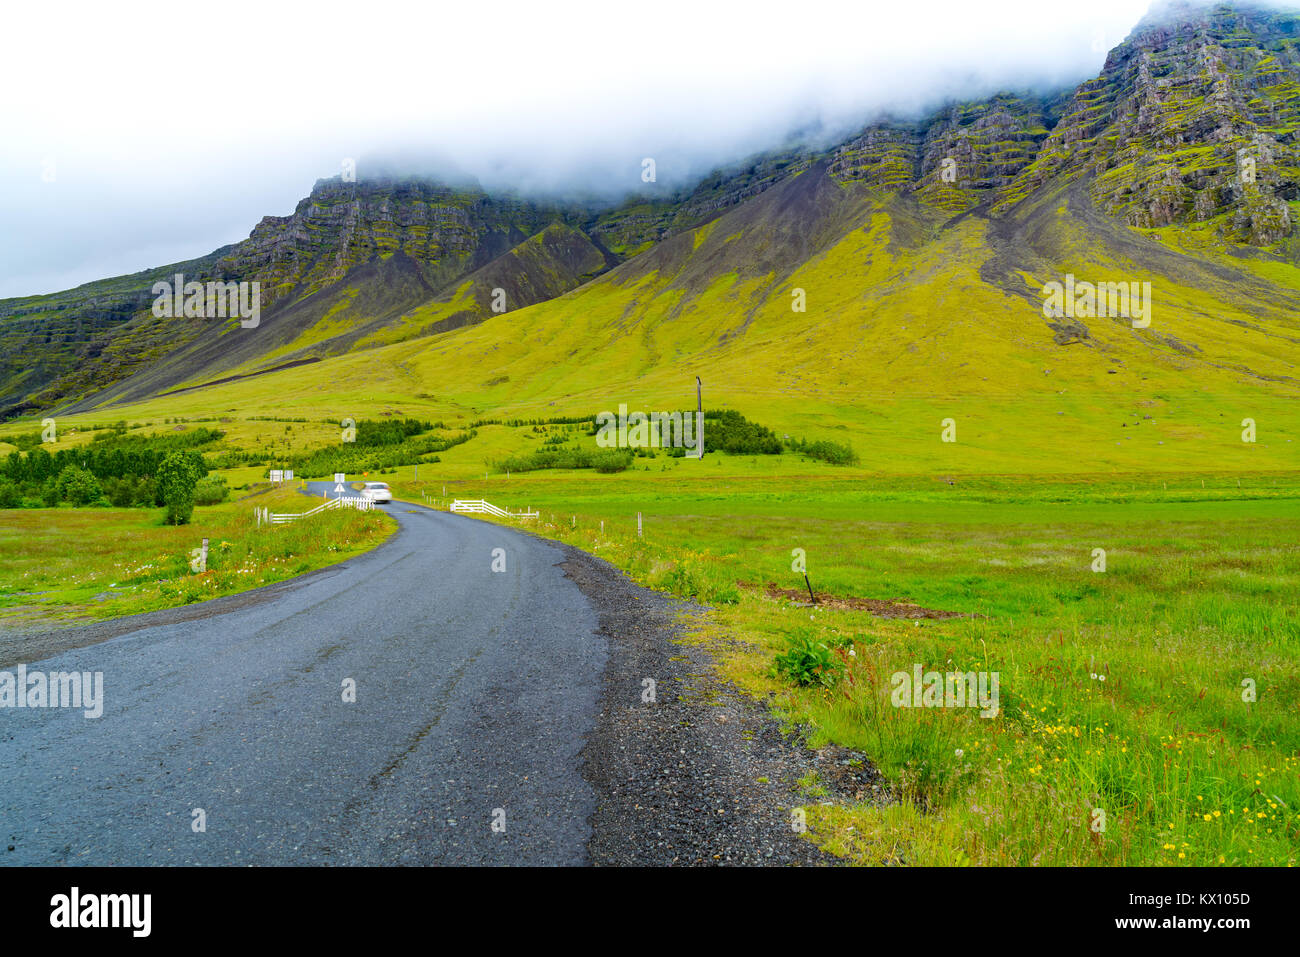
173,130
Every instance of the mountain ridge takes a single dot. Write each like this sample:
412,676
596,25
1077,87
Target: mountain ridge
1158,140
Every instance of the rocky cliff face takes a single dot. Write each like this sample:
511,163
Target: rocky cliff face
87,339
83,338
955,158
634,227
1192,120
447,231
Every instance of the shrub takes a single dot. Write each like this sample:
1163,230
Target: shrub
830,452
146,493
211,491
808,661
178,474
50,493
611,460
681,580
729,431
120,492
78,486
602,460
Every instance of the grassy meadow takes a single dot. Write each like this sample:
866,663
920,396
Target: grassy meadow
1124,735
66,565
1124,732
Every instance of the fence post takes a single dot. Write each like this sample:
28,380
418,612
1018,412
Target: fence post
638,524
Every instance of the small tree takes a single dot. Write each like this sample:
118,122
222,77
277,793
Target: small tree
178,473
77,486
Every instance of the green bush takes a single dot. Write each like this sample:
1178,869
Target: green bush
50,496
211,491
78,486
831,452
146,493
178,474
681,580
602,460
808,661
611,460
729,431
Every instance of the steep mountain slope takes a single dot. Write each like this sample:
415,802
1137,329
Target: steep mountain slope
79,339
879,287
913,316
323,274
1193,120
385,298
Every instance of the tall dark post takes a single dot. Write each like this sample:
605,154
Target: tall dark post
699,422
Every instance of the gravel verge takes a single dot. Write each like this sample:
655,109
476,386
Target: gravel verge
701,776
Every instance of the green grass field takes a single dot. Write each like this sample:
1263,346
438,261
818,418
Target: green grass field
1123,733
1197,596
72,565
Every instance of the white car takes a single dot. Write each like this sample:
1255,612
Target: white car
377,492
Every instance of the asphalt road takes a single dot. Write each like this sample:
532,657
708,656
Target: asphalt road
475,691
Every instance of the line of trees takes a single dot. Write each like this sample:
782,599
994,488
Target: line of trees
141,477
378,446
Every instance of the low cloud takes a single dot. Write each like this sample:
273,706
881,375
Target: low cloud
145,134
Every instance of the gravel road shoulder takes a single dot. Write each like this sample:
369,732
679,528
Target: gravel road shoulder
702,776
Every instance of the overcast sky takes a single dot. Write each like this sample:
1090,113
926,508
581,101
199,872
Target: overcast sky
138,134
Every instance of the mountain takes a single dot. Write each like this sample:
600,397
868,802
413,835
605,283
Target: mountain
920,248
1193,120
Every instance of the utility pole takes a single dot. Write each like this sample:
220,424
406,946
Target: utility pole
699,419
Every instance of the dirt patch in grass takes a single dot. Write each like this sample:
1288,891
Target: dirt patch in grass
881,607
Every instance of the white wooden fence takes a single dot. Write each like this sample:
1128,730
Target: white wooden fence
484,506
268,517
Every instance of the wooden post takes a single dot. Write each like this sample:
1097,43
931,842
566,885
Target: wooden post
638,524
203,557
